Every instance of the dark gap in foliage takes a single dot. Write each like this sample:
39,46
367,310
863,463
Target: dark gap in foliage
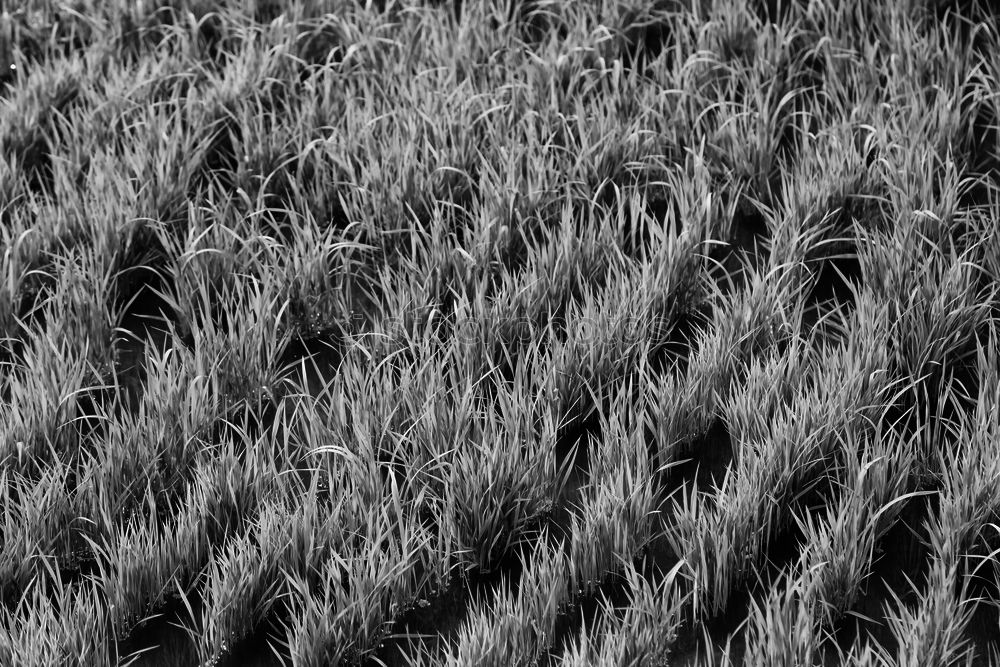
748,229
318,45
309,316
579,469
256,651
647,36
533,22
901,561
837,275
457,194
704,461
440,616
747,244
76,559
67,34
634,235
70,561
839,272
693,654
185,329
738,46
257,648
965,378
981,632
784,547
285,187
265,11
775,11
11,349
212,37
811,69
32,154
726,628
449,278
436,619
33,292
527,222
379,6
924,405
221,158
960,15
330,209
658,207
142,291
780,554
483,585
144,316
140,279
574,435
312,361
163,643
394,232
585,611
30,146
24,306
154,26
92,404
653,561
658,556
8,68
675,349
131,38
250,417
787,146
767,187
10,594
453,7
171,644
960,374
269,182
982,157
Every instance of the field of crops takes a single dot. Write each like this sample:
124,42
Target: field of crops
498,333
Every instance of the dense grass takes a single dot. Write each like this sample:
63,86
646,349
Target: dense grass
499,332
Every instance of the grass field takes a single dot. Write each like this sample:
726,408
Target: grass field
499,333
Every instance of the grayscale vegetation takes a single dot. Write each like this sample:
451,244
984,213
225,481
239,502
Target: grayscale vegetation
499,333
